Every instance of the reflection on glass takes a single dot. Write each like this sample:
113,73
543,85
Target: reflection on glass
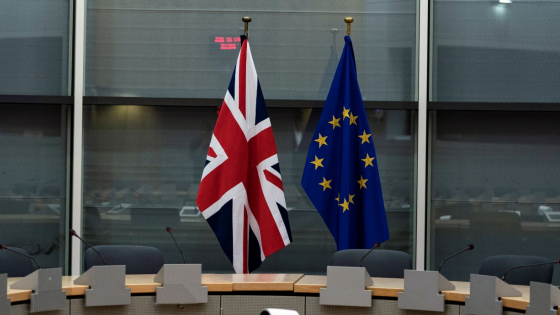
188,49
34,45
33,180
490,51
494,184
143,167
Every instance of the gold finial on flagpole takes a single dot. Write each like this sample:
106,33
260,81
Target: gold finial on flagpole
246,19
348,21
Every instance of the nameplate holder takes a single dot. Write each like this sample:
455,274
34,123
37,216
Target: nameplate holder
485,295
346,287
544,297
181,284
107,286
422,291
5,303
46,285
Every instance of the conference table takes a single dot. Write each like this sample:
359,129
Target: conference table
236,294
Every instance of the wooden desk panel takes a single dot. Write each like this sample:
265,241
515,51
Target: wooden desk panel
310,284
262,281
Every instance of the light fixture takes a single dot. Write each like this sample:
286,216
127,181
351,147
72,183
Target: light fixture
505,1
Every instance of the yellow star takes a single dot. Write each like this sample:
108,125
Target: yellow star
345,113
353,119
345,205
317,162
365,137
337,198
335,123
368,160
326,184
322,140
351,199
362,182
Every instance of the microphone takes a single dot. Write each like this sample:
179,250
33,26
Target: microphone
532,265
73,233
469,247
169,230
374,247
22,254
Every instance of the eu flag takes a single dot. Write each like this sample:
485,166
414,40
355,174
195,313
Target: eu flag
341,176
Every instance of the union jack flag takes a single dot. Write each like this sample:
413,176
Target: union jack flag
241,194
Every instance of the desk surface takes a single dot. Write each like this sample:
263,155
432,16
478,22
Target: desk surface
262,281
136,283
389,287
298,283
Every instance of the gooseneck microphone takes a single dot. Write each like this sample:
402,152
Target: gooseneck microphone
73,233
469,247
374,247
169,230
2,247
532,265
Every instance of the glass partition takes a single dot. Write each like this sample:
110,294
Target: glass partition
494,183
495,51
34,47
33,174
170,48
142,169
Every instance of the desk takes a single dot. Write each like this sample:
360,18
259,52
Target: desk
249,294
387,287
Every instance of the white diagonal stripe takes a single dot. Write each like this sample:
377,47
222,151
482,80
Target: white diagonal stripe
273,196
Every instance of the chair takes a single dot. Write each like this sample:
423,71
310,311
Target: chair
15,265
137,259
379,263
498,265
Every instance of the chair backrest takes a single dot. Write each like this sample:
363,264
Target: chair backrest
15,265
498,265
137,259
381,263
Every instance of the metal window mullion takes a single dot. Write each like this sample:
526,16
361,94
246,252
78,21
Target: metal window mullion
421,211
77,131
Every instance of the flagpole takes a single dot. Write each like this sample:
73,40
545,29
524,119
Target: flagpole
246,19
347,19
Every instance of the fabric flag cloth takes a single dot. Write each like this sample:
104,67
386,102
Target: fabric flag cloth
241,194
341,176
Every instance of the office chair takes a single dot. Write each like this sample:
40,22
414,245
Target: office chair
137,259
381,263
15,265
498,265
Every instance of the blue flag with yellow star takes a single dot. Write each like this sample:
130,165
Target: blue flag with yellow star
341,176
